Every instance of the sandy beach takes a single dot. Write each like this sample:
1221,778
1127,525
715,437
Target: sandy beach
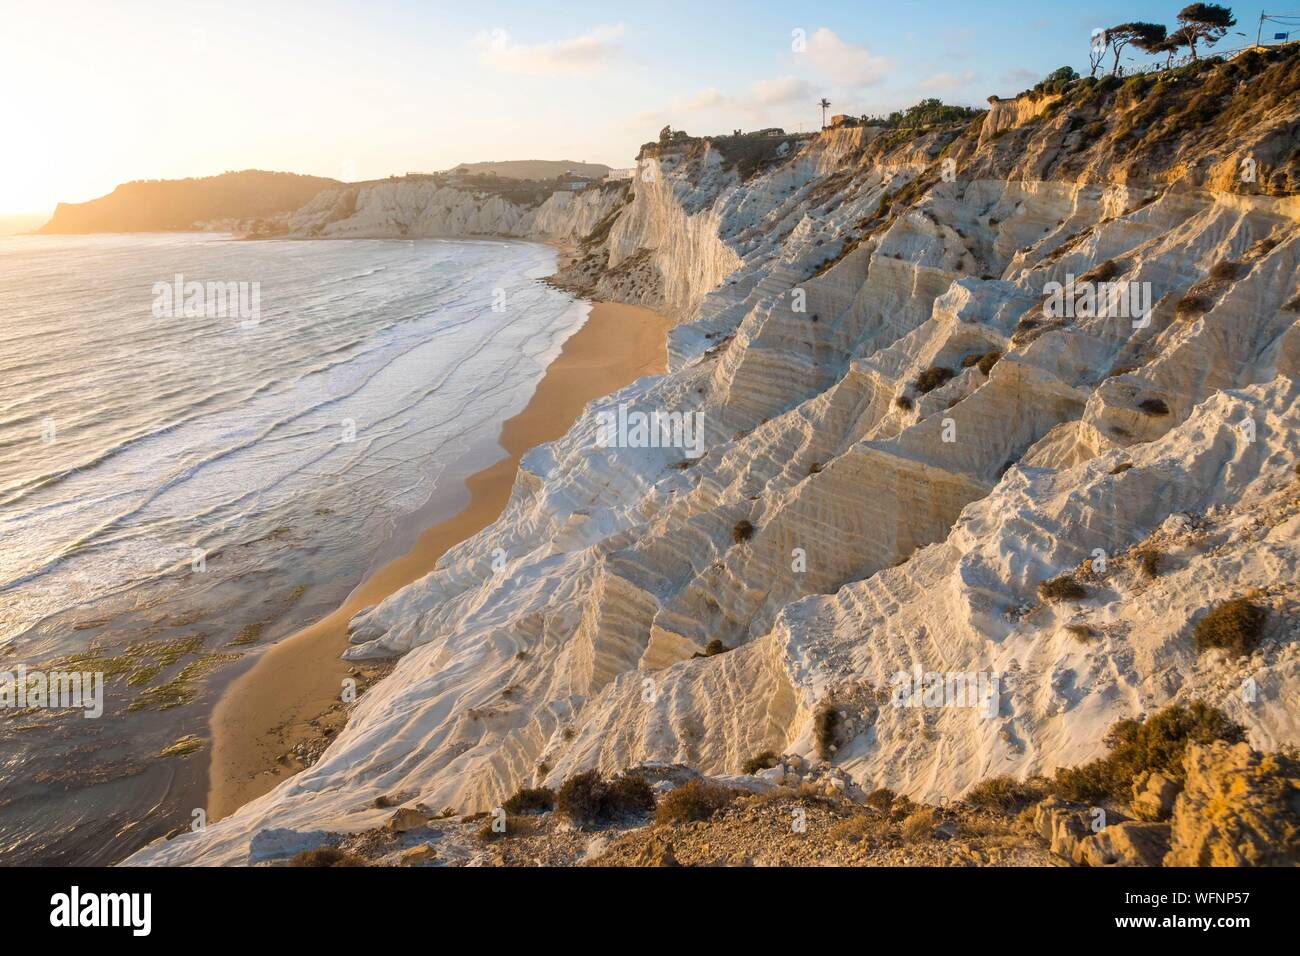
291,695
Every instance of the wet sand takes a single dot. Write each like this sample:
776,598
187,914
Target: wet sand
277,703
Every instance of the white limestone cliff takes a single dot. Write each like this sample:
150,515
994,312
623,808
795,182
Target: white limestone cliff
896,530
424,207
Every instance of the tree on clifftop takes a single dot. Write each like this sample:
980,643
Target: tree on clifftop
1170,45
825,105
1142,35
1097,50
1205,21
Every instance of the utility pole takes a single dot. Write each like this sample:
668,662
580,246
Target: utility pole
1260,32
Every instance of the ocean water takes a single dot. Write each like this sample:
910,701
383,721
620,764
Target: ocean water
179,487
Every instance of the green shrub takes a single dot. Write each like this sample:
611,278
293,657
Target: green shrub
1229,271
693,801
629,794
1062,588
903,402
1136,746
531,800
589,798
742,532
987,361
932,378
580,797
1235,625
1192,305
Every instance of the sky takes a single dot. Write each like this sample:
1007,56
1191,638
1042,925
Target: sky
98,93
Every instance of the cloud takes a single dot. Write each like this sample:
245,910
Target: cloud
844,63
581,54
947,81
760,97
786,89
708,99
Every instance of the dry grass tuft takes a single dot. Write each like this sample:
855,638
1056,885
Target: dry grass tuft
919,825
1062,588
1007,794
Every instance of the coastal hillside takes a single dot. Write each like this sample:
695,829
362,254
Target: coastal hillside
164,205
911,466
446,206
534,169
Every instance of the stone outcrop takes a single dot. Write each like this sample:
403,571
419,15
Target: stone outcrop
1129,843
1240,808
1153,796
1087,836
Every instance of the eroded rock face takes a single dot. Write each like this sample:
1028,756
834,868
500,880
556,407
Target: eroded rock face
1070,830
1129,843
1240,808
1064,826
1153,796
420,207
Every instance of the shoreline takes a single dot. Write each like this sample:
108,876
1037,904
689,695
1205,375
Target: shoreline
288,701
